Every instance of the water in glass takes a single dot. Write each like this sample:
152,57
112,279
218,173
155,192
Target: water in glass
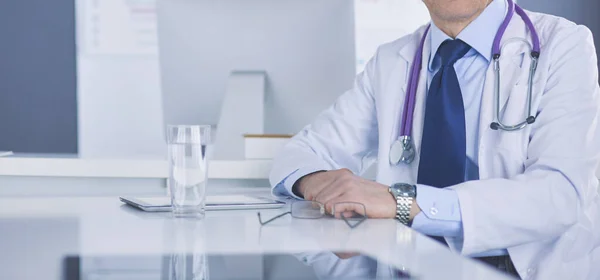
188,173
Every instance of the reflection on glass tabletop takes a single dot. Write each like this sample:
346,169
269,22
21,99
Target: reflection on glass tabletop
306,265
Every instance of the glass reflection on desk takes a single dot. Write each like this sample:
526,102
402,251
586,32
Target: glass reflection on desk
320,265
188,259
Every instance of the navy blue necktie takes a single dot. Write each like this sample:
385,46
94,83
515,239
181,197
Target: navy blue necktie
443,148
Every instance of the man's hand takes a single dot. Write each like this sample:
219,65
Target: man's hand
310,185
342,185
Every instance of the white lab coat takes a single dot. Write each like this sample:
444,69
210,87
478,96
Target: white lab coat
538,193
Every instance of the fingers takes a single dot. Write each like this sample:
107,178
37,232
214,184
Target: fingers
331,188
347,213
316,183
312,184
345,183
312,189
345,195
308,195
329,193
341,206
336,188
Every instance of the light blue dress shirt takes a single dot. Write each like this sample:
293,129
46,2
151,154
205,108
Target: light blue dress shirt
440,214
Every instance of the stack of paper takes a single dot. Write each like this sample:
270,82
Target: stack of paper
264,146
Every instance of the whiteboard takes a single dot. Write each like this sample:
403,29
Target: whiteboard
119,100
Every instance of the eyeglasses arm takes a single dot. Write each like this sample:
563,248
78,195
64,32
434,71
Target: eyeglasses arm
272,219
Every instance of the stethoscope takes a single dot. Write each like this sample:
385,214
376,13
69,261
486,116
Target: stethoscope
403,149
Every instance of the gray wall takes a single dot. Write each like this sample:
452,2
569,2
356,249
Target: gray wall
579,11
38,102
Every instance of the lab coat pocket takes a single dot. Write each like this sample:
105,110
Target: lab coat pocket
506,151
515,110
510,142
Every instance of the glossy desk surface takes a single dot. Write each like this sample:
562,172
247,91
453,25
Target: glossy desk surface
51,228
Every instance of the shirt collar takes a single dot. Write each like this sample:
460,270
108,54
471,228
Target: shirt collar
479,34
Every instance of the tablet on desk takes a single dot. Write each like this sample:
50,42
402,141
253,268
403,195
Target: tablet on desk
217,202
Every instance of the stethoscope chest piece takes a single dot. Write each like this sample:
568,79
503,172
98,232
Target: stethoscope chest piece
402,150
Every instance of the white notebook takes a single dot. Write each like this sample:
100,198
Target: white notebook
218,202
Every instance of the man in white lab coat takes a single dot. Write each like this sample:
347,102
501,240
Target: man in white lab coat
524,201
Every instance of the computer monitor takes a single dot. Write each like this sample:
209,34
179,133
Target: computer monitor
305,47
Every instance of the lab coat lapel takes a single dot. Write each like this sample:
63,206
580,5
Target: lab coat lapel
419,115
401,74
408,53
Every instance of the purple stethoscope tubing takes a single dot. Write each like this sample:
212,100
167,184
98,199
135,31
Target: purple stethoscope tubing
413,83
405,139
535,55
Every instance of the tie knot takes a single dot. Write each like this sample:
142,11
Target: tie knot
452,50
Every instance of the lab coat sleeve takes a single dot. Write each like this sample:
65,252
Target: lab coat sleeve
343,136
562,156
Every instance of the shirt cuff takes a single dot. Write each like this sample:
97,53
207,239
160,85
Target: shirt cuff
439,204
424,225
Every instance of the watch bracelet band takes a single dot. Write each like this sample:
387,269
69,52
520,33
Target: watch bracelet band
403,206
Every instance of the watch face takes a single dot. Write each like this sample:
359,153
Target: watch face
404,190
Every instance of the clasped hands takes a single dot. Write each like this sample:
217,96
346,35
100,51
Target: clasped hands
342,185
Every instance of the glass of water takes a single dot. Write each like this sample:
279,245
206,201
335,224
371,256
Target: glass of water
188,169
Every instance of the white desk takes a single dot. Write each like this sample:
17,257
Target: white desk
38,232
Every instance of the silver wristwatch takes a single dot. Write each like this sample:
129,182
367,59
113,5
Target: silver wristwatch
404,195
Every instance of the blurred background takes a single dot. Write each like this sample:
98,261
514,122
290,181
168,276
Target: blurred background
84,77
88,86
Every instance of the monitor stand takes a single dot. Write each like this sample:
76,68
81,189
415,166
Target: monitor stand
242,113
